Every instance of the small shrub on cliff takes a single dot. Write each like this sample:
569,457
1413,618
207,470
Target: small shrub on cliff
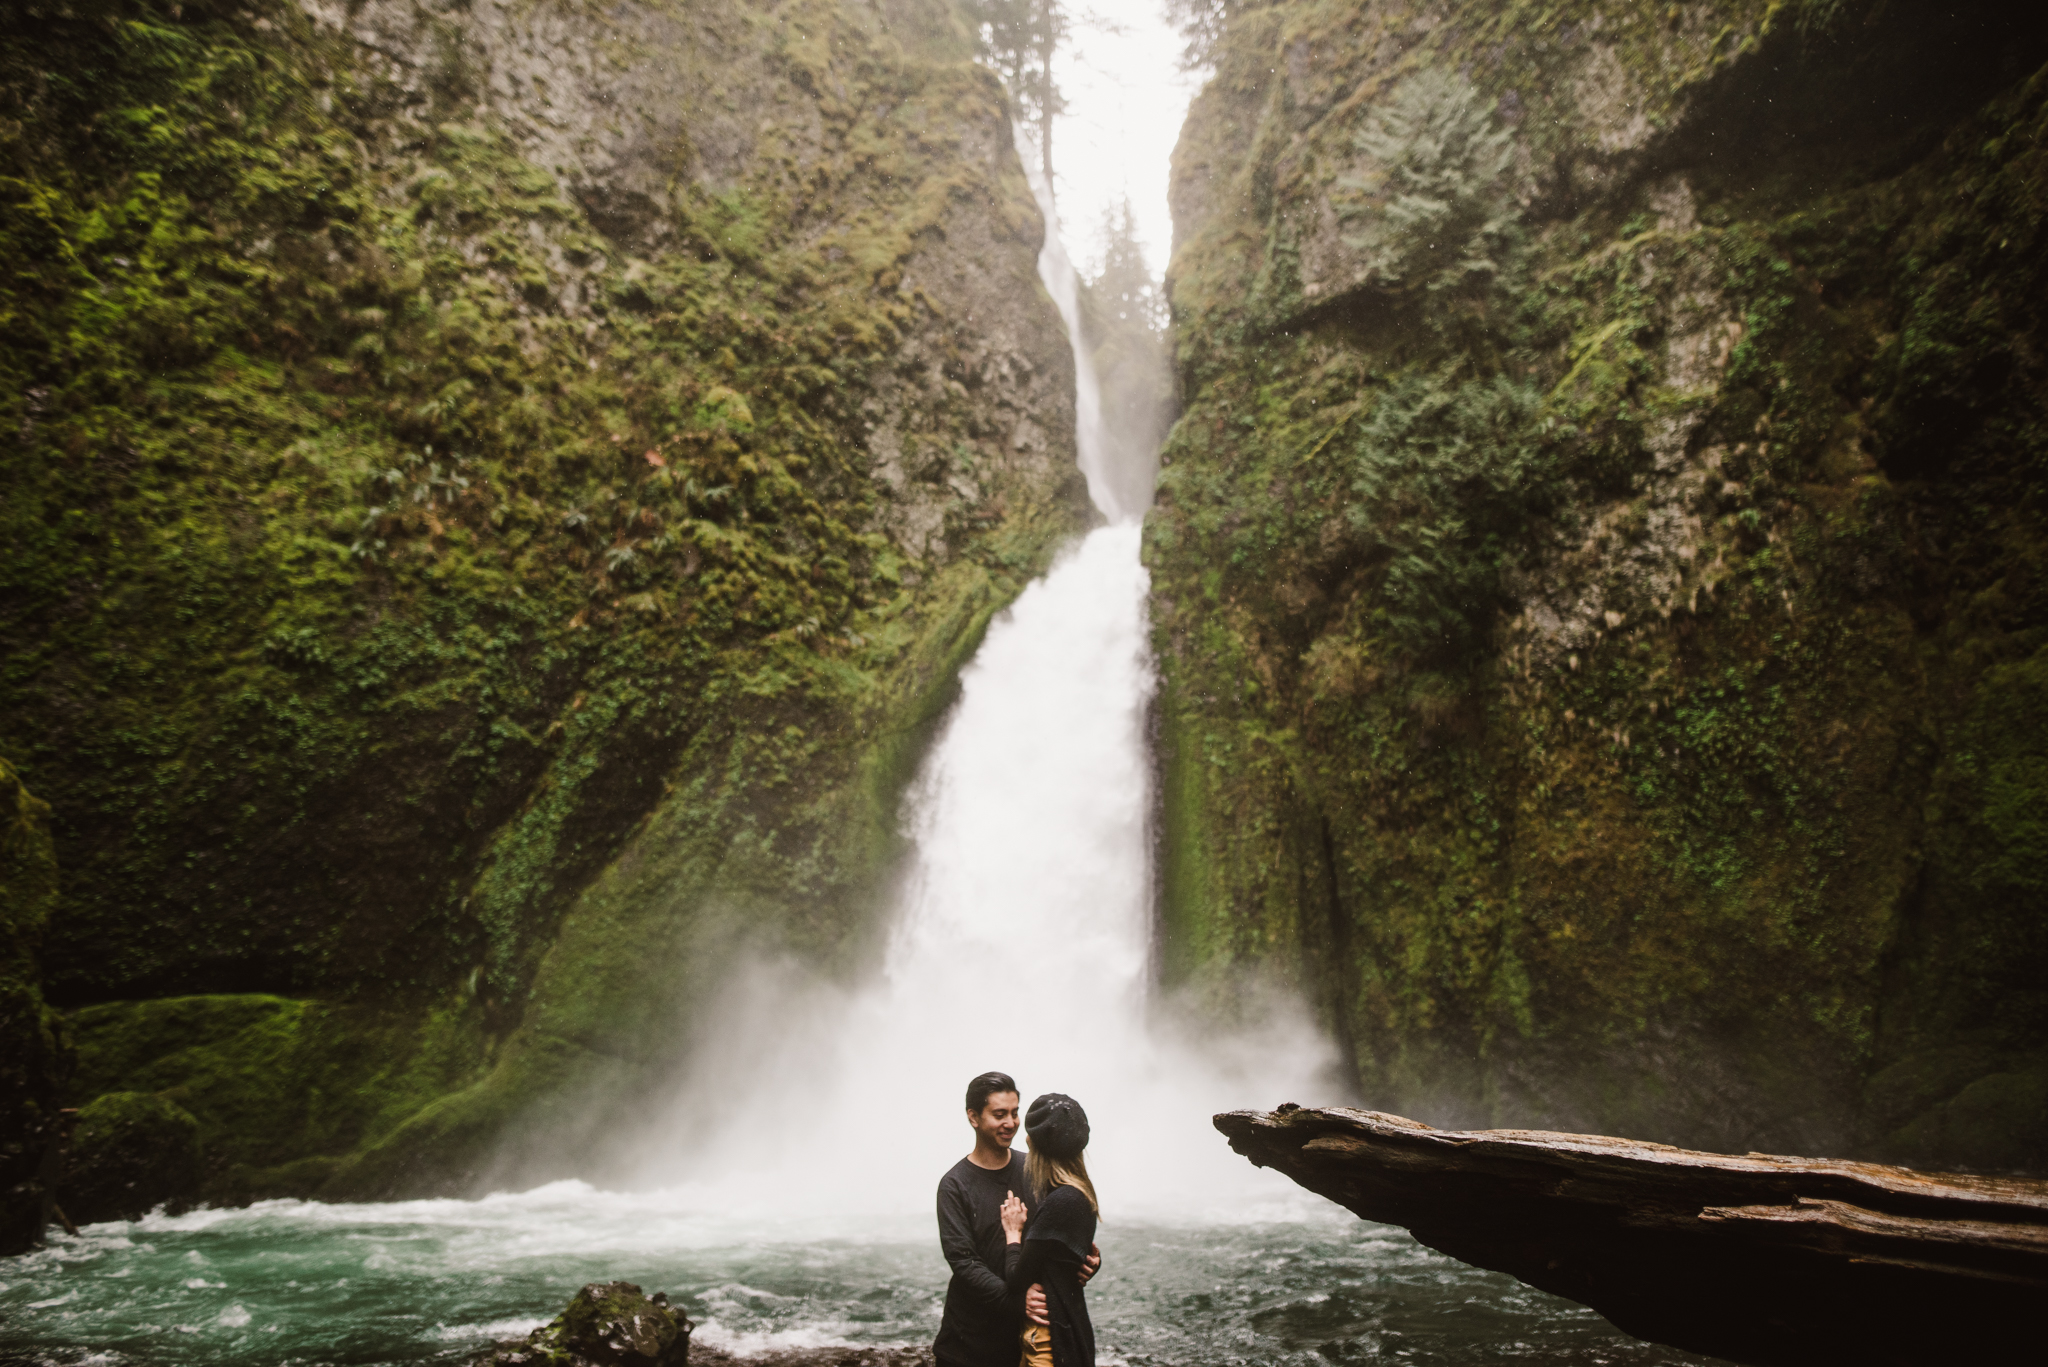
1435,212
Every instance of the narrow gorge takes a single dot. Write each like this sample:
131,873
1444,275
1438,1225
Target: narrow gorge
599,598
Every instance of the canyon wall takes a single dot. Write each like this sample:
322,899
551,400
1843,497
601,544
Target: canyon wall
1598,574
496,495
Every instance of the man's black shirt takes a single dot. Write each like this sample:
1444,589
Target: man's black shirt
982,1321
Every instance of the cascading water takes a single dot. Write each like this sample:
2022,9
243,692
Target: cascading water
790,1187
1022,939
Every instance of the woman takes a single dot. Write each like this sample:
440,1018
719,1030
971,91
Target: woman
1050,1247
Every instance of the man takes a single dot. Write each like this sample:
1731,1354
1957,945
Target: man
980,1327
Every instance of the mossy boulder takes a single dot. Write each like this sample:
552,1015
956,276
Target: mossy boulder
608,1324
130,1153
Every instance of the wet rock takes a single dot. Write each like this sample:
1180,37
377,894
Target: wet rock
131,1153
608,1324
615,1324
1759,1258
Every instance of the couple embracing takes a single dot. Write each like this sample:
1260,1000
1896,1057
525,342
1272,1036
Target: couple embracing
1019,1232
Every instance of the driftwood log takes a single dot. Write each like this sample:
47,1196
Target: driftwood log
1759,1259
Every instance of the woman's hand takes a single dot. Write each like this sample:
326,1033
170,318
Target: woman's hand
1013,1219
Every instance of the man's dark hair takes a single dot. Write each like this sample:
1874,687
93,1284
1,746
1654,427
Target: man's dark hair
986,1086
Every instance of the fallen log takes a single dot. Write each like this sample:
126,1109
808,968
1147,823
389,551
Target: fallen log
1759,1259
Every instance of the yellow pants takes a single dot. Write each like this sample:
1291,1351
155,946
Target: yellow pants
1037,1346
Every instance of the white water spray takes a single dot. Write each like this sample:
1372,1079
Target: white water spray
1022,940
1056,270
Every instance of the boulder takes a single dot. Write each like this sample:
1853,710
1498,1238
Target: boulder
608,1324
131,1152
1759,1259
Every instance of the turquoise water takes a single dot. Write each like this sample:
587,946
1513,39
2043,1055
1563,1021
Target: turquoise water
431,1281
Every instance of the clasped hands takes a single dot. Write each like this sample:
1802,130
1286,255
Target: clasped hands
1013,1233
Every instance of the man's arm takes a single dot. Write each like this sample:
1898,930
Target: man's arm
956,1241
1092,1264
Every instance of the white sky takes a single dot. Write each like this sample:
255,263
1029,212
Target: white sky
1126,97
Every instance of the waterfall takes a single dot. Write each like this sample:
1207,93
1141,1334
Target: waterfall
1056,271
1021,939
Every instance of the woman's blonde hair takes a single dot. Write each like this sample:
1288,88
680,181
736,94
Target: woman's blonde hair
1046,1172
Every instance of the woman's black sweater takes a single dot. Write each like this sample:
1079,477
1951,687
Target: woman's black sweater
1057,1238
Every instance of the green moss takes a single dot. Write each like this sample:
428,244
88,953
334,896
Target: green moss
397,523
1995,1123
130,1153
272,1080
1580,681
775,841
35,1053
606,1320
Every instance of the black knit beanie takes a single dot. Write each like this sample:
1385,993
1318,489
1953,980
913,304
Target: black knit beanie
1057,1125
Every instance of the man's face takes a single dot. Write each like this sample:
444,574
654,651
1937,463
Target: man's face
997,1121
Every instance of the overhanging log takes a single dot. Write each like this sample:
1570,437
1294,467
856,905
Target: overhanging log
1760,1259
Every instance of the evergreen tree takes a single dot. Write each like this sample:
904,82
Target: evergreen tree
1124,289
1018,38
1201,23
1123,314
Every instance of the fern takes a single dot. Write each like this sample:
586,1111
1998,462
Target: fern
1446,477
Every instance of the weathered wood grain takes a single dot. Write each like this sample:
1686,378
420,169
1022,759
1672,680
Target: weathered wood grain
1757,1258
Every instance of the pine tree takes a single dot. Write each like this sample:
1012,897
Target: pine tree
1201,23
1124,289
1123,314
1019,38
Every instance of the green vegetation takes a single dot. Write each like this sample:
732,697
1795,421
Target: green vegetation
35,1055
1435,211
1595,572
130,1153
410,512
1123,317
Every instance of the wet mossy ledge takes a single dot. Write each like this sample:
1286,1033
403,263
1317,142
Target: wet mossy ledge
495,498
1598,575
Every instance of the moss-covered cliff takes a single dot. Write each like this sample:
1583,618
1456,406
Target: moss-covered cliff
35,1055
1598,574
495,495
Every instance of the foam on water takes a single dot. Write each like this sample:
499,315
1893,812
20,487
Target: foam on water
429,1281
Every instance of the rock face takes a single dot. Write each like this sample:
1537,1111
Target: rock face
1596,576
1759,1259
35,1057
608,1324
495,497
